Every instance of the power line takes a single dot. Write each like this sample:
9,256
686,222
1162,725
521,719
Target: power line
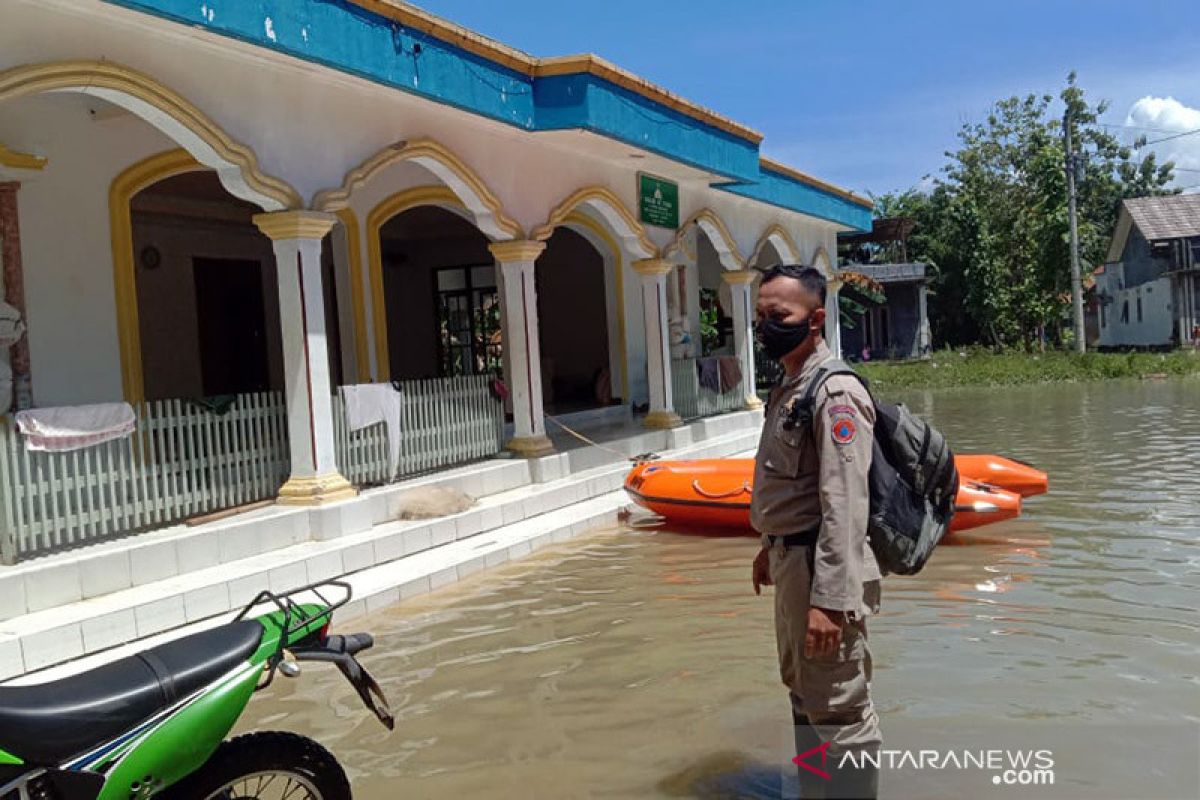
1173,168
1168,138
1133,127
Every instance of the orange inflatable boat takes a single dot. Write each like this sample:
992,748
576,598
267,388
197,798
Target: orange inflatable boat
1006,473
716,492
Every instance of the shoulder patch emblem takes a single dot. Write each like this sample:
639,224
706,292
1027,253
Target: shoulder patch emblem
843,430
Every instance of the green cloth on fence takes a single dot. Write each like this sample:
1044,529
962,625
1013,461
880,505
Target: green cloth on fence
218,404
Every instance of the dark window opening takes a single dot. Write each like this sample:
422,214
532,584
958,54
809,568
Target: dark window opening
232,325
715,328
468,320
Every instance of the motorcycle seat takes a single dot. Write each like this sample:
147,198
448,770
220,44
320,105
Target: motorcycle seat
47,723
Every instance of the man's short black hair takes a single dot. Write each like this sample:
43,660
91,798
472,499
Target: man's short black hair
810,278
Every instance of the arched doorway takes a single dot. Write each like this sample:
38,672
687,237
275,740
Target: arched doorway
206,288
573,294
715,314
440,296
207,304
712,365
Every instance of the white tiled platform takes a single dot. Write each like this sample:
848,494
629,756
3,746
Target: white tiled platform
88,606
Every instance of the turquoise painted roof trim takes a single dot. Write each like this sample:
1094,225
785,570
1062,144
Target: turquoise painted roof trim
589,102
345,37
794,195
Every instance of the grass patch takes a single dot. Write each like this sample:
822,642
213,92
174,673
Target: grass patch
982,367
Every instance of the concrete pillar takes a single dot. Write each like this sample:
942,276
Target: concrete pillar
296,237
14,293
653,272
740,285
522,353
833,317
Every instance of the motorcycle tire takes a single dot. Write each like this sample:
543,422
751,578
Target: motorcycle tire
251,759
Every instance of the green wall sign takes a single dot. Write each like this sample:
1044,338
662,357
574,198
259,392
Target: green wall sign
658,201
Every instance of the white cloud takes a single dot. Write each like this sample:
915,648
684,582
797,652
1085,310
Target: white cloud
1167,116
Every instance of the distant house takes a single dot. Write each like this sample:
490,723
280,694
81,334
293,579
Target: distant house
899,327
1147,293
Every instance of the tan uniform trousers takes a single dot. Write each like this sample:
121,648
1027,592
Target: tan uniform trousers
833,692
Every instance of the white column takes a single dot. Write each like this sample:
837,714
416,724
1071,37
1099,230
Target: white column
296,236
833,317
740,285
522,352
653,272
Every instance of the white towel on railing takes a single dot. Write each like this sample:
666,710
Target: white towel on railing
370,403
66,428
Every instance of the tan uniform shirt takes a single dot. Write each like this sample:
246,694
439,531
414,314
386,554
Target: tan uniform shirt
816,477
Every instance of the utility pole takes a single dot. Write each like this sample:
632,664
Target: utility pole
1076,280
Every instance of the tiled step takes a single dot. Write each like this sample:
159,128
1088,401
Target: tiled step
499,526
98,570
393,582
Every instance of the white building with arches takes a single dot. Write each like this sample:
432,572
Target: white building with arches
204,200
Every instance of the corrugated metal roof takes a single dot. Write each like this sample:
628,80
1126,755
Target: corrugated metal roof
1168,217
891,273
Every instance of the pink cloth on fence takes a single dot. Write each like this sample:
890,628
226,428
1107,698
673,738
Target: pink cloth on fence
64,428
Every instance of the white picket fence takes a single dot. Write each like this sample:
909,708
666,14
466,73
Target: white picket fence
444,421
183,461
691,400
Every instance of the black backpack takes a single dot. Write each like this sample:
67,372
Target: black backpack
913,480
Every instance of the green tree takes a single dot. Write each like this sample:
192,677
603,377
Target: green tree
994,228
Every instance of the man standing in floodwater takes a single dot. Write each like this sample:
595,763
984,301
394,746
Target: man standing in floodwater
810,504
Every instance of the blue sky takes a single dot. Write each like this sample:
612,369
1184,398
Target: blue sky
869,95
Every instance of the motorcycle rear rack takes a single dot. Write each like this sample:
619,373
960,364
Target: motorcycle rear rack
295,617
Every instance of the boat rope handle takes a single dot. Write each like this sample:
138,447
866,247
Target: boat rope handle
745,487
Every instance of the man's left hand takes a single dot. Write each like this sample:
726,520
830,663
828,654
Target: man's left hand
824,632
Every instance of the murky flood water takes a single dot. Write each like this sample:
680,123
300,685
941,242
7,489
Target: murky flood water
639,663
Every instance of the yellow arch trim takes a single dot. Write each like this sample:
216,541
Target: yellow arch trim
709,217
775,229
349,221
89,76
398,203
336,199
133,180
821,255
15,160
588,194
584,221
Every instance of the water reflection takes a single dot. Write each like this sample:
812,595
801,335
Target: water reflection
639,663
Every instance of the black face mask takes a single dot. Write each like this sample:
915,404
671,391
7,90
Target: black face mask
780,338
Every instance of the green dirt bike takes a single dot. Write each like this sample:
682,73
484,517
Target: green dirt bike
153,724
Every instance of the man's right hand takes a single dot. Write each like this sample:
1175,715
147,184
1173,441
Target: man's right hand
760,573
